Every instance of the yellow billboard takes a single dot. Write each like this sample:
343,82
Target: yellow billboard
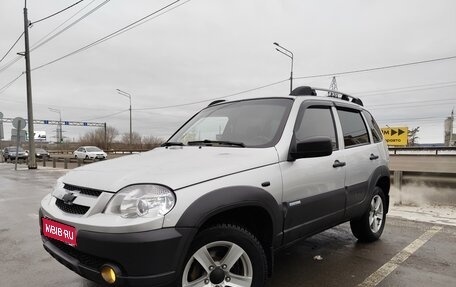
396,136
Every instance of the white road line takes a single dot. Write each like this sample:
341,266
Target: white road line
375,278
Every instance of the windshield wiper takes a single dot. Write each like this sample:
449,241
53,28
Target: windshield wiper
211,142
172,144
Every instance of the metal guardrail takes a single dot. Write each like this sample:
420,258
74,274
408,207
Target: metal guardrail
423,150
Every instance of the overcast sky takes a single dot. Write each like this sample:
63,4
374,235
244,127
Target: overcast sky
209,49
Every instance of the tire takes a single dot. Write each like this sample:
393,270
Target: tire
225,255
75,156
370,226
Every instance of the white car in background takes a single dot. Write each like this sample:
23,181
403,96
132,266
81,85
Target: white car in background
90,152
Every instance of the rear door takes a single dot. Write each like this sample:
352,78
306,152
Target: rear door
361,155
313,188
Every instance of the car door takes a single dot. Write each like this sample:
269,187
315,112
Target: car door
361,155
80,152
313,188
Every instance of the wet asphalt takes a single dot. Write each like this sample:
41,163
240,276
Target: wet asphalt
343,260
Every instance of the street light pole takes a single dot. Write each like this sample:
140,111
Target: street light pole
128,95
290,55
59,132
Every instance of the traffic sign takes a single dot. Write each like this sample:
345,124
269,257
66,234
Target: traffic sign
46,122
19,123
396,136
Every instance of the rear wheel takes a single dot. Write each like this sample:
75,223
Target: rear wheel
370,226
225,255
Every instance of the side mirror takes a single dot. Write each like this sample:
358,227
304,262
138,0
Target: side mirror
312,147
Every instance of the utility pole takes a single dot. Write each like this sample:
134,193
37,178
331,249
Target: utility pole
31,132
128,95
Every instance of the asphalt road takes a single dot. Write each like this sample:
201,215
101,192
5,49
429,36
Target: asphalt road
409,253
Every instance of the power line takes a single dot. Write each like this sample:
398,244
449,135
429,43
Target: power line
212,99
406,89
108,116
3,89
105,38
434,118
45,39
377,68
10,63
413,102
20,36
404,106
56,13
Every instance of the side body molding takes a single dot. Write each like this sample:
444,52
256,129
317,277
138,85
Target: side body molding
224,199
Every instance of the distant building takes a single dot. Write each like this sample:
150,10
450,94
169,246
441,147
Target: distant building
450,136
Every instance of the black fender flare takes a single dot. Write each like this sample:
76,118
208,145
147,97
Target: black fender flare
359,209
224,199
379,172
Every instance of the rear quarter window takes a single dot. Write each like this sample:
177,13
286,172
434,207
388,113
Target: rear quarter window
375,130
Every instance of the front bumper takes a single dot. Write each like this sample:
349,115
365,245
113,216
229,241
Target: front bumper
150,258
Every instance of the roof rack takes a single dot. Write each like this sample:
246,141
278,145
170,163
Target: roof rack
310,91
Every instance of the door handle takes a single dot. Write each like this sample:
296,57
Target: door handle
338,163
373,156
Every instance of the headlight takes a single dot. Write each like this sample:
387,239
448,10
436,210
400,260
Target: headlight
144,200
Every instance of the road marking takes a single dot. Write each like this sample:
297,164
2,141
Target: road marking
375,278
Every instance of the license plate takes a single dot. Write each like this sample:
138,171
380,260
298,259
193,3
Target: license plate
59,231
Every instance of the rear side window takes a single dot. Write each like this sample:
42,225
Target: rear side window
317,122
353,128
376,132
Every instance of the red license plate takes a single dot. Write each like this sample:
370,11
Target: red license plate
59,231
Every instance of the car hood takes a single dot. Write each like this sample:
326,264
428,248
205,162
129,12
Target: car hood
175,167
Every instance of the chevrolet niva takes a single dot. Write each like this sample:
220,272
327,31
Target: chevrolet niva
237,182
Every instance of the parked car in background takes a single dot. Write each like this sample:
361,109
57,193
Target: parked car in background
90,152
40,153
10,153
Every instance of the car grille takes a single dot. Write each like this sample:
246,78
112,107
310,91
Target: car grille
83,190
85,259
71,208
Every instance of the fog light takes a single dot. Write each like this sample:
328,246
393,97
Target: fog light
109,274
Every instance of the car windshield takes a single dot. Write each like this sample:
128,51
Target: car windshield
248,123
93,149
39,150
13,149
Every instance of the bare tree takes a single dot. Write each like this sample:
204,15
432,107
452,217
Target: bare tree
97,137
135,138
151,142
412,136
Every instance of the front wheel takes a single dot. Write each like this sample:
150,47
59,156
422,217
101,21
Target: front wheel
225,255
370,226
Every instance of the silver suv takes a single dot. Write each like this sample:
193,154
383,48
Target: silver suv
234,184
